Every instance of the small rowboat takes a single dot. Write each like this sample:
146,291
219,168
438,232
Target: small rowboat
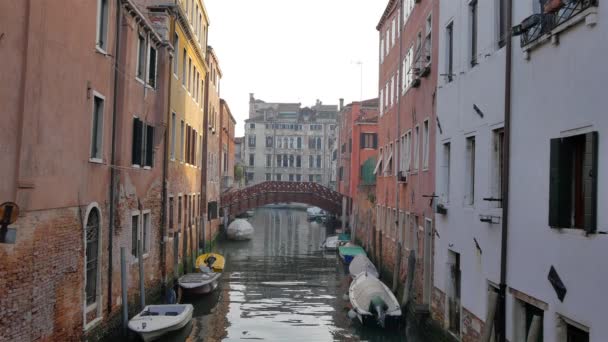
361,264
199,283
212,260
156,320
373,302
347,253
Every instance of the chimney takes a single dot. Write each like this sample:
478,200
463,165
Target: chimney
251,106
341,104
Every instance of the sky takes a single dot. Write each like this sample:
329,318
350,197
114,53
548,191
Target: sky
295,50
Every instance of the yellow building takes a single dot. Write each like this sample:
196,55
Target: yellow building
185,25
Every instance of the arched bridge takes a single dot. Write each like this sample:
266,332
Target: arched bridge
238,201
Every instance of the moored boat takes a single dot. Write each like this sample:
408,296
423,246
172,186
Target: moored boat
214,261
347,253
240,230
330,243
157,320
373,302
361,264
199,283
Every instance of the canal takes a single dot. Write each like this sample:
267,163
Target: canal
281,286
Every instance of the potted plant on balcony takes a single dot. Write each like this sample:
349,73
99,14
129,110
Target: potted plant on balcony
552,6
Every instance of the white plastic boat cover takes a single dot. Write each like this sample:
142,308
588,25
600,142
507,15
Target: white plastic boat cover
361,264
364,288
240,229
161,317
331,242
194,280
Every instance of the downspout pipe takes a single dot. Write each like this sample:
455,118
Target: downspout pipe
113,174
505,178
163,227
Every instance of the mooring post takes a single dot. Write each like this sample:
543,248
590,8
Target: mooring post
142,292
123,284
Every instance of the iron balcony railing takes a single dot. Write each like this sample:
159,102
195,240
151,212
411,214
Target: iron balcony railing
536,26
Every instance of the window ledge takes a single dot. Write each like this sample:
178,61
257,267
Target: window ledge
96,160
147,168
101,51
140,81
93,323
135,166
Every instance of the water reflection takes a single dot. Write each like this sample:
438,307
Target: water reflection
280,287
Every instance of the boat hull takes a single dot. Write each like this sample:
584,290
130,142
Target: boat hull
203,289
153,334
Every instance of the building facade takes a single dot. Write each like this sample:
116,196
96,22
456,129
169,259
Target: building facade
285,142
211,150
558,163
469,157
83,194
227,152
405,170
358,150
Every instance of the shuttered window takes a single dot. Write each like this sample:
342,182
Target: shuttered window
137,142
142,148
573,182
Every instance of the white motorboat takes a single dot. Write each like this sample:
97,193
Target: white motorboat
156,320
199,283
373,302
361,264
240,230
314,213
331,243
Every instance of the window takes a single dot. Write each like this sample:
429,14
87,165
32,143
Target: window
269,141
152,67
299,143
212,207
416,147
92,255
190,76
251,159
102,24
252,125
142,147
173,131
146,233
570,331
573,182
181,142
141,57
291,177
311,162
469,197
408,76
134,234
528,320
381,50
393,33
379,163
176,49
502,22
318,162
97,129
184,70
171,214
445,172
310,178
318,178
449,34
268,177
251,140
425,145
298,178
498,137
279,177
428,38
298,161
473,18
268,160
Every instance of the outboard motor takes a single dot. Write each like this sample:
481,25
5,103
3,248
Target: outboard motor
210,261
378,307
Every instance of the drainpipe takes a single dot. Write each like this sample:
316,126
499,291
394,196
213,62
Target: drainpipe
505,178
399,244
113,152
163,231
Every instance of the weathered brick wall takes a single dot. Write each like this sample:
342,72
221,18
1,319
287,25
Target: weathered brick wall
438,306
41,278
471,326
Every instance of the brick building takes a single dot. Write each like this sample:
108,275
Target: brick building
227,152
83,193
357,153
405,179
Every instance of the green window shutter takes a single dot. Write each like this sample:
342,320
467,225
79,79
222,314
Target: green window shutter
559,185
137,142
375,140
362,144
149,157
590,175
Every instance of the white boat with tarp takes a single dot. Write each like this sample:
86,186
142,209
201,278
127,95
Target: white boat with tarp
362,264
199,283
240,230
373,302
157,320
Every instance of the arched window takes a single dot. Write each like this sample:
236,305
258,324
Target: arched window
92,255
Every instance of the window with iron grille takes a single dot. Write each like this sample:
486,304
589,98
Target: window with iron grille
92,255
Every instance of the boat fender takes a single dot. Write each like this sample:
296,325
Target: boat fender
352,314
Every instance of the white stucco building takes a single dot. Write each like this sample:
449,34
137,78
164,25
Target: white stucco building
285,142
470,112
559,164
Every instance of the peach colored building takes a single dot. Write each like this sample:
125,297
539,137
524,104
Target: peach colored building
211,150
83,99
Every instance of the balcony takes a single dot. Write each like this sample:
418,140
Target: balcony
561,15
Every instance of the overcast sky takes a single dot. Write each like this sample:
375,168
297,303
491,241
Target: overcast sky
294,50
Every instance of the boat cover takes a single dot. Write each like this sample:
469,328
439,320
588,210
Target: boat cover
351,250
362,264
193,280
364,288
217,265
240,229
